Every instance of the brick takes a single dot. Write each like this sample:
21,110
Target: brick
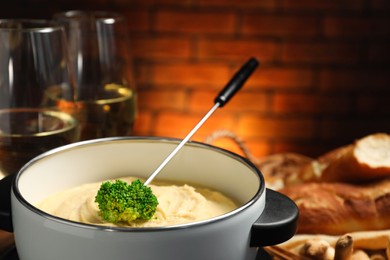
137,20
237,49
380,5
374,105
202,75
243,101
330,5
264,4
356,27
250,126
205,22
379,53
162,99
352,128
247,101
12,10
141,73
164,47
143,124
311,104
346,80
172,124
280,26
277,78
321,52
201,101
157,2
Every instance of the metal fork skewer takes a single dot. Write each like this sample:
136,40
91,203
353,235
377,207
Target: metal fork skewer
182,143
223,97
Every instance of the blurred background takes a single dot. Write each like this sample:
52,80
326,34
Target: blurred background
324,78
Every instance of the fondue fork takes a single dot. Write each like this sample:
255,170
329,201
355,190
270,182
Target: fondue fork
223,97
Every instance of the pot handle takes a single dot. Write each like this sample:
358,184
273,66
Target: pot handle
278,221
5,203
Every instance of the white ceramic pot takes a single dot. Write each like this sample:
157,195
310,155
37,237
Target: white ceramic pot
258,221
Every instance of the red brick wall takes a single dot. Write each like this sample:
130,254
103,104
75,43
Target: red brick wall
324,78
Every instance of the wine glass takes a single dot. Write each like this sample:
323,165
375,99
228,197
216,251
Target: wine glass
35,77
106,95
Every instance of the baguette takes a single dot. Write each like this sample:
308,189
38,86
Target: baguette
282,169
367,240
339,208
367,159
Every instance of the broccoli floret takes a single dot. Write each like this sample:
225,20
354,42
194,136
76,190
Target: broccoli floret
121,202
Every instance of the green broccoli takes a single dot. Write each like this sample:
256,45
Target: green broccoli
121,202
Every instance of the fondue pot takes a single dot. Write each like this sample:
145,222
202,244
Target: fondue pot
263,217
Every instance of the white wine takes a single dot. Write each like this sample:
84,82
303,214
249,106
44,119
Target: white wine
111,115
26,133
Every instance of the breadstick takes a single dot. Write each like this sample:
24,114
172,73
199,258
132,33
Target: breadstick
360,255
344,247
372,240
315,248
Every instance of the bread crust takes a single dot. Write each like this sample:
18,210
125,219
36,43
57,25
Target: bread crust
367,159
339,208
282,169
343,192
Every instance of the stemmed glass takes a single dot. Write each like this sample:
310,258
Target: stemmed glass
106,95
35,78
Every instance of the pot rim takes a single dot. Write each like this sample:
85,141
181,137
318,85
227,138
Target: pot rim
259,193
